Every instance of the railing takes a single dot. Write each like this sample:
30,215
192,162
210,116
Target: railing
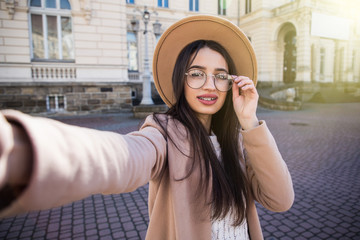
53,72
134,76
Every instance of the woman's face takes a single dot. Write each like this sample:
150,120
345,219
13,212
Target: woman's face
207,100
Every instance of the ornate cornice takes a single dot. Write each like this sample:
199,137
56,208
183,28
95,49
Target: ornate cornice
10,6
86,9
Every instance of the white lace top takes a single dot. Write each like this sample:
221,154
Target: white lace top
223,229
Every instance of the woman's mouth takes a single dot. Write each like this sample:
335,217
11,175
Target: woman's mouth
207,99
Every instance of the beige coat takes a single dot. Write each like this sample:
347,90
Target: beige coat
71,163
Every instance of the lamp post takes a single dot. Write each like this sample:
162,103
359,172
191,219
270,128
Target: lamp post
146,76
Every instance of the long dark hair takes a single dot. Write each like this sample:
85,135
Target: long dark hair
229,185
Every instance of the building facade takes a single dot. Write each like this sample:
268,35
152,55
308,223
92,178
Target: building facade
91,55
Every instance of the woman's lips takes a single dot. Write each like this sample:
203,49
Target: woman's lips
207,99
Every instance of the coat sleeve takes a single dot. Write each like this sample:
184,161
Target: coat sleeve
71,163
267,172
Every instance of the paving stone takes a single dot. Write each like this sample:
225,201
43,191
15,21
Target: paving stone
91,232
103,226
65,235
141,227
90,226
307,235
278,234
292,235
107,237
322,157
113,219
142,234
323,235
53,227
101,219
299,230
115,225
284,229
52,235
66,228
94,237
25,234
118,234
104,232
131,234
78,229
16,234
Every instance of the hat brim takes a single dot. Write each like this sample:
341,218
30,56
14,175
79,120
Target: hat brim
200,27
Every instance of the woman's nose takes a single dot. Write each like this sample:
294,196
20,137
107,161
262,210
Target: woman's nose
209,82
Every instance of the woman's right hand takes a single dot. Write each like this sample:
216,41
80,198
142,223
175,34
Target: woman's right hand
15,154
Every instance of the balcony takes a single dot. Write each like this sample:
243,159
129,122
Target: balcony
51,72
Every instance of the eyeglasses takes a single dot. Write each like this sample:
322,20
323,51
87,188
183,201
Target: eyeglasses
196,79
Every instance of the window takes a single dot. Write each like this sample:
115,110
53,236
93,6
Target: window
130,1
322,61
51,30
163,3
133,65
194,5
247,6
55,103
222,7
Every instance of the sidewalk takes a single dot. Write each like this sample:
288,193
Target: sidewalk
321,145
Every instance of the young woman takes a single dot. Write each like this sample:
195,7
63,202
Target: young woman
207,159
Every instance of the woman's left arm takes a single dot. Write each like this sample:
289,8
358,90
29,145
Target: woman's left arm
267,172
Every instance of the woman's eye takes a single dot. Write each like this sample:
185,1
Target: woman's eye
222,76
196,74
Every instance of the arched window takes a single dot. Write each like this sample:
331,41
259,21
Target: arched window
51,30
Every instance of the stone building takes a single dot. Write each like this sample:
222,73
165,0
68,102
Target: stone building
91,55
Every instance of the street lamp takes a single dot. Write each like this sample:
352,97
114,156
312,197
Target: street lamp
146,76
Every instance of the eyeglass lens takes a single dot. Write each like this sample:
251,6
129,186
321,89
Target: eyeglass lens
197,78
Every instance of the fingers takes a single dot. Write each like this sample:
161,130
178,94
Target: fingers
244,83
235,90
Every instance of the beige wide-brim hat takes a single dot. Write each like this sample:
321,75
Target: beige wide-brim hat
200,27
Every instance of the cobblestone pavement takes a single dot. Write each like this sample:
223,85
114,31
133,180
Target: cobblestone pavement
321,145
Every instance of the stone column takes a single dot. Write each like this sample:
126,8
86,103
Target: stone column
349,60
303,47
329,60
315,66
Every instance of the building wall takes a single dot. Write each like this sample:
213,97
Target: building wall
66,97
267,21
100,56
15,44
100,41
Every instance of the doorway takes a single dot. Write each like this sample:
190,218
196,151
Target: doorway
289,67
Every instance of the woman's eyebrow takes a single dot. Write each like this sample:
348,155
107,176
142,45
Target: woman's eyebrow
204,68
221,69
197,66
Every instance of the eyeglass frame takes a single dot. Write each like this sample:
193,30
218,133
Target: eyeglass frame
213,76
